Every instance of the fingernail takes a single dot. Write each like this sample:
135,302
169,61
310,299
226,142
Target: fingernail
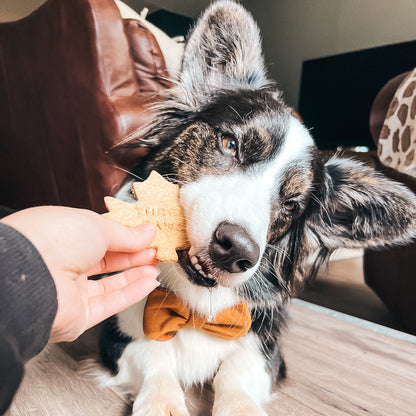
147,227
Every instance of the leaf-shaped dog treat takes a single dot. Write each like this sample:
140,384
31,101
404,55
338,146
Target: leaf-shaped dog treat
157,203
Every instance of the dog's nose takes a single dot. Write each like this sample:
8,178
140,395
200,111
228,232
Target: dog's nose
233,249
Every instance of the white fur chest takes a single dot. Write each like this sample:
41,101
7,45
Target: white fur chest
191,356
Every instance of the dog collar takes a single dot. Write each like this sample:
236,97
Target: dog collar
165,314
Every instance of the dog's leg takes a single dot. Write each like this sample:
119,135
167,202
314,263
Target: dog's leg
241,385
149,367
160,395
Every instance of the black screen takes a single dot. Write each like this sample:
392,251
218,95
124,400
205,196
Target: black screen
337,92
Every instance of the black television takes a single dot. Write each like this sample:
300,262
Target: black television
173,24
337,92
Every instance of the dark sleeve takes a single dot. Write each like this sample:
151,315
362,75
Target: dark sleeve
28,306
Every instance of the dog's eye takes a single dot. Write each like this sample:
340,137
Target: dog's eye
290,205
230,145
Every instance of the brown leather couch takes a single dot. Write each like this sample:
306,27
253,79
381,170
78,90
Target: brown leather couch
75,78
392,273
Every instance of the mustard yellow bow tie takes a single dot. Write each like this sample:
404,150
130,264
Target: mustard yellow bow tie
165,314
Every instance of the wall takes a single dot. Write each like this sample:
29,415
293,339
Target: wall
297,30
16,9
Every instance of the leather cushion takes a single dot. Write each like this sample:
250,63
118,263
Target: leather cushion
148,62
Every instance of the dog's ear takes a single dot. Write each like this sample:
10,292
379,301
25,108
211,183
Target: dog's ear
223,52
358,207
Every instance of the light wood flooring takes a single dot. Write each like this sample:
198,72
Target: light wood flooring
342,288
336,367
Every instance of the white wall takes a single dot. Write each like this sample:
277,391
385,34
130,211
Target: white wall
297,30
16,9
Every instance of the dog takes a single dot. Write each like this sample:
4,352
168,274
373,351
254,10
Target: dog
258,199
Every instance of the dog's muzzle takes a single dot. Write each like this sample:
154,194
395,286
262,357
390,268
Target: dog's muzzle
231,251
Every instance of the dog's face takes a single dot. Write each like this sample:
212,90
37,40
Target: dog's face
256,194
249,187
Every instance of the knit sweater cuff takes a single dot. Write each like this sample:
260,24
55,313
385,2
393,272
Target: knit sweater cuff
28,300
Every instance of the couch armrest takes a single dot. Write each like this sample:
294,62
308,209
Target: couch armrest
68,92
390,272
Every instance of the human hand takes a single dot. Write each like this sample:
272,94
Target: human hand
77,243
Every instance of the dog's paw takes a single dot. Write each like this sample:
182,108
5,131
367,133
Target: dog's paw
159,406
236,405
160,409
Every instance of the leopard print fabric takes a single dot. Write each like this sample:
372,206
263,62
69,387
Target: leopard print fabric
397,141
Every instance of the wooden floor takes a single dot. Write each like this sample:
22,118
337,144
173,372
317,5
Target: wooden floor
339,368
342,288
335,368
